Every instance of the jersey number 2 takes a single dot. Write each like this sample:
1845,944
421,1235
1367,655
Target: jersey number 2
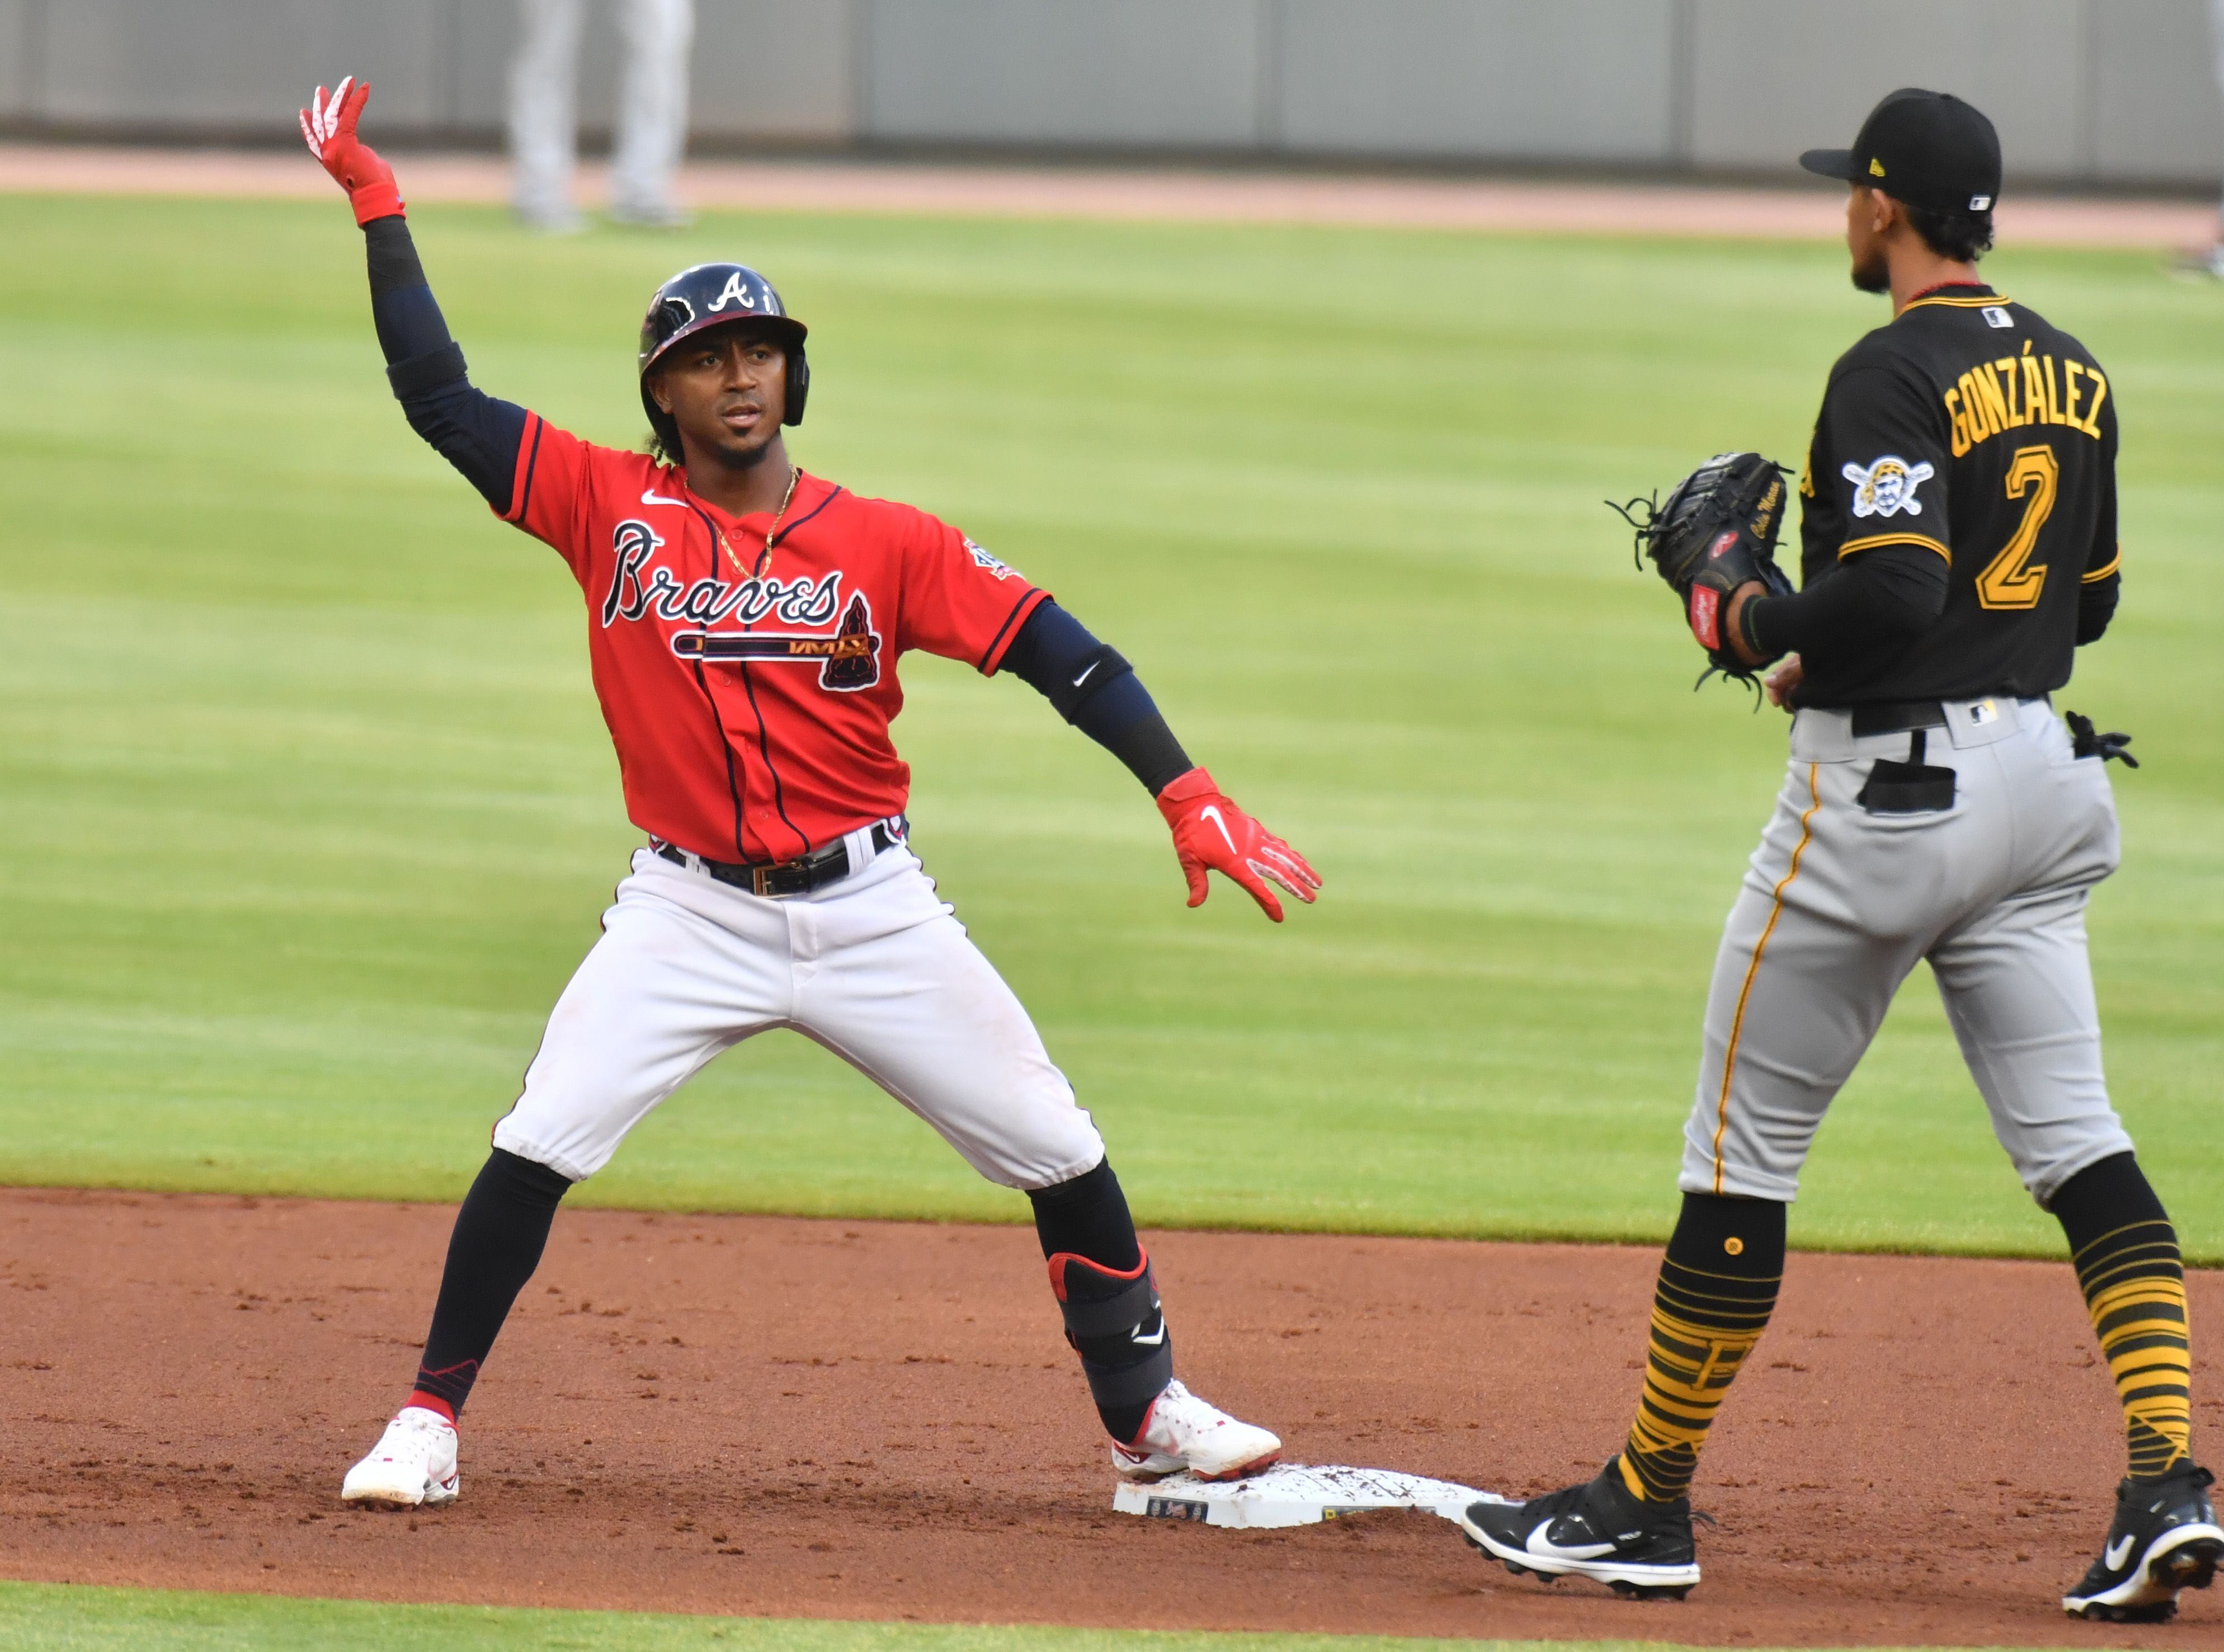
2012,579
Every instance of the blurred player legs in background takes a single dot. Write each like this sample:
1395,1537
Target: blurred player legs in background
2216,43
652,115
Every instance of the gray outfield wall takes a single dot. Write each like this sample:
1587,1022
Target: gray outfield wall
2085,92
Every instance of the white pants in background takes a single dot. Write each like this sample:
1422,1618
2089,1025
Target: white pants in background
2216,43
652,124
874,966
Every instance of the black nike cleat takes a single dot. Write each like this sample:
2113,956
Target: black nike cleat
1595,1530
2164,1538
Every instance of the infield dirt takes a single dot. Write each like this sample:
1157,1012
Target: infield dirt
879,1420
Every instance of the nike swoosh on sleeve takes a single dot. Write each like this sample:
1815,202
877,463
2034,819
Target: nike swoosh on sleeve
1086,671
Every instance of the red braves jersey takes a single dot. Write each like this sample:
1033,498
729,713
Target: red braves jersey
748,688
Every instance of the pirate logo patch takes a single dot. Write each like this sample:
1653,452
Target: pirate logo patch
1888,487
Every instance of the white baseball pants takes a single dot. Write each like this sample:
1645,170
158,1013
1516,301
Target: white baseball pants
652,125
875,966
1838,905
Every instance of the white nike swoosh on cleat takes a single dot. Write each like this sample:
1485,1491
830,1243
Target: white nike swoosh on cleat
1545,1549
1211,812
2114,1555
651,497
1086,671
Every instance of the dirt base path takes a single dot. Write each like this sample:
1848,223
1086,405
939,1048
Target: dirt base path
879,1420
1174,194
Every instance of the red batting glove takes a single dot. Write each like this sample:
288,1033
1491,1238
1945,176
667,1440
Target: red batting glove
328,124
1211,831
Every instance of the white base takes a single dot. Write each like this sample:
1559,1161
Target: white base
1293,1494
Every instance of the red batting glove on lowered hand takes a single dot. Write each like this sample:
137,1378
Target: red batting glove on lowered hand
1211,833
328,124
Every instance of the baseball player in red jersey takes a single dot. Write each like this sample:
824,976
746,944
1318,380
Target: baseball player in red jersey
744,623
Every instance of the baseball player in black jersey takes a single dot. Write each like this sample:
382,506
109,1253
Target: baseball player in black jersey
1958,543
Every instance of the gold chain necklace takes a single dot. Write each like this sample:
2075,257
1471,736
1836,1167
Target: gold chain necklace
794,475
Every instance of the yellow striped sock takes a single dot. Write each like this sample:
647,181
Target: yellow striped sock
2134,1286
1704,1324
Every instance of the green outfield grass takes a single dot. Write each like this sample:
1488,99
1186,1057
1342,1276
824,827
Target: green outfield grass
58,1617
306,812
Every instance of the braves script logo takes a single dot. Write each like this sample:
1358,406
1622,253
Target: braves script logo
636,589
848,659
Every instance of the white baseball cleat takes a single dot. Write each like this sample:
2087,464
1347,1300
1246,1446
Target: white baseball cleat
1182,1432
413,1465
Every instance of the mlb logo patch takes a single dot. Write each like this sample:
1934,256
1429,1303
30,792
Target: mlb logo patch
1996,317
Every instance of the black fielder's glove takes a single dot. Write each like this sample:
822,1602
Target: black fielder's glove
1716,531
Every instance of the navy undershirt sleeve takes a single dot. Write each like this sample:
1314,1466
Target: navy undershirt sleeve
1875,599
476,433
1098,692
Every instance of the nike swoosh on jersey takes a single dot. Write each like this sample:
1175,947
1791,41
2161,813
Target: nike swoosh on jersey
1545,1549
1211,812
651,497
2117,1553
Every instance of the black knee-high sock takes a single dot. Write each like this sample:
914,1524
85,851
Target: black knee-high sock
1104,1287
500,1233
2125,1253
1718,1287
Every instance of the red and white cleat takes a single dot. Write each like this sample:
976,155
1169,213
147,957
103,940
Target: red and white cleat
1185,1433
413,1465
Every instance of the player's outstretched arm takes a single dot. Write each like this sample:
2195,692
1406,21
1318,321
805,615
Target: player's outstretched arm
1095,688
474,432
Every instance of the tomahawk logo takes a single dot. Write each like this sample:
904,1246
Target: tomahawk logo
848,661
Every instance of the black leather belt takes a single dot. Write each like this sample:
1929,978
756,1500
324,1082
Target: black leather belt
773,878
1900,716
1897,716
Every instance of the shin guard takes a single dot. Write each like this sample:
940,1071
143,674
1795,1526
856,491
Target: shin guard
1114,1321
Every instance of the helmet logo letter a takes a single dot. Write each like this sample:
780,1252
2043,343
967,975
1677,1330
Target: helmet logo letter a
733,292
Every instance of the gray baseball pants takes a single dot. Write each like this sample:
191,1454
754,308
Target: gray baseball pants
1839,902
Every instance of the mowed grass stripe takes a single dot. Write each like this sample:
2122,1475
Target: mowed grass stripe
65,1618
306,812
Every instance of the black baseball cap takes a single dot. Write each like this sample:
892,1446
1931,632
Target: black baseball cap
1928,148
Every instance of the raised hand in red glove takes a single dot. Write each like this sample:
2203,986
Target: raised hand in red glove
1212,834
328,124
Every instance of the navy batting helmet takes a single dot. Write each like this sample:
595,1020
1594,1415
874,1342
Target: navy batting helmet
711,295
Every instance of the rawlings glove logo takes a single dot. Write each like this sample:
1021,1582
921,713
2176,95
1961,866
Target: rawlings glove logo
1888,486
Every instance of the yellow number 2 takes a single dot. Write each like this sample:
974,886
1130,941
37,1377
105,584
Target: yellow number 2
2012,579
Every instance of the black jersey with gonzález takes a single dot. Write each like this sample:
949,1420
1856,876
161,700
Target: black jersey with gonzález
1969,427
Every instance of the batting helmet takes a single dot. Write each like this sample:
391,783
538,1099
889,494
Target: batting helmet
711,295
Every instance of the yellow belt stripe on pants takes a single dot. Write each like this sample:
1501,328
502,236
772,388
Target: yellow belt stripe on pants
1737,1021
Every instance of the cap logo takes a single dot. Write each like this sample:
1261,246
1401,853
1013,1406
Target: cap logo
1980,203
1876,168
734,293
